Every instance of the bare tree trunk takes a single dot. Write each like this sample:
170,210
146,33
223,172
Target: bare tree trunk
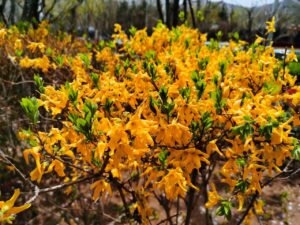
175,13
2,8
12,12
198,4
168,17
30,11
185,9
250,19
192,14
159,9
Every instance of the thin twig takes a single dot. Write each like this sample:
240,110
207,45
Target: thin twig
5,158
16,83
253,199
256,195
167,219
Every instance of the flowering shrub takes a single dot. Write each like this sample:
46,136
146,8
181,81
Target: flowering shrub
166,117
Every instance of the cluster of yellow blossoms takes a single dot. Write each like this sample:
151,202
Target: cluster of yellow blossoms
162,116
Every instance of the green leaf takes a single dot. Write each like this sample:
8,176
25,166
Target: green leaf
153,103
167,108
242,186
151,54
72,95
31,108
276,73
59,60
19,52
126,63
244,130
219,102
108,104
219,35
224,209
202,64
48,51
90,107
206,120
177,33
241,162
236,36
200,88
84,125
185,93
39,83
85,59
151,69
132,31
118,70
195,76
296,152
267,129
223,67
73,118
181,16
163,93
162,156
187,42
95,78
271,88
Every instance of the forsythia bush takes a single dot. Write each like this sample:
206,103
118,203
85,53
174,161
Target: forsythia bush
163,117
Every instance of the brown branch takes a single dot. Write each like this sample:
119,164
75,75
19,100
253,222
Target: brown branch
252,201
167,219
256,195
154,84
191,198
6,159
17,83
127,211
164,203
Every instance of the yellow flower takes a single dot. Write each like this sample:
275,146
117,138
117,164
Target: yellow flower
258,205
259,40
271,26
33,46
174,184
54,100
212,147
213,197
100,187
241,200
58,167
291,56
173,135
38,63
7,209
18,44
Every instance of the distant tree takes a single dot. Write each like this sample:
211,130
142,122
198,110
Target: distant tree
31,11
223,14
2,8
160,11
12,13
175,13
192,13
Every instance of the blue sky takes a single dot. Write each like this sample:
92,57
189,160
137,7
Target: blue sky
247,3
